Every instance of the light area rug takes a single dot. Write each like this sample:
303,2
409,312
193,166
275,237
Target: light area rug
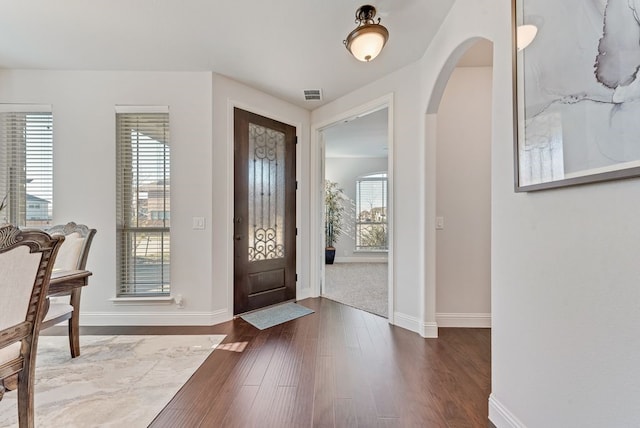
361,285
117,381
274,315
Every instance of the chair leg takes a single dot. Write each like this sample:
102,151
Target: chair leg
25,398
74,324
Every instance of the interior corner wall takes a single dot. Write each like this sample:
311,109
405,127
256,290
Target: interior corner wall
84,156
201,124
407,181
463,200
227,94
564,269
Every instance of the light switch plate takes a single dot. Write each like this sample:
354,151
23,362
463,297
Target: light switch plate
439,223
198,223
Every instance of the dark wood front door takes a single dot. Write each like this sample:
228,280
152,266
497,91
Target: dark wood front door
264,212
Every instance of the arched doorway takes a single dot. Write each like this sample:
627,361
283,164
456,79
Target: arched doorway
458,203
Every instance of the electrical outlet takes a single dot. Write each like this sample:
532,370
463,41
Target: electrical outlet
179,301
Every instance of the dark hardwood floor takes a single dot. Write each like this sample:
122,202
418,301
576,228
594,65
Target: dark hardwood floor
339,367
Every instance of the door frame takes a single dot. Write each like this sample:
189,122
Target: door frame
316,241
228,230
276,275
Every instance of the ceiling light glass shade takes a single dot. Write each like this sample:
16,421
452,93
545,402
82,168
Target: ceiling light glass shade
367,40
525,35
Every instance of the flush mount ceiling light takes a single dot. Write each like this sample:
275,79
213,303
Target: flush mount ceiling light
525,35
369,37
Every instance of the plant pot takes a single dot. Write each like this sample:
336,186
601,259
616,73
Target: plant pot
329,255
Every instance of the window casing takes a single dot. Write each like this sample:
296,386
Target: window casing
26,165
143,203
371,213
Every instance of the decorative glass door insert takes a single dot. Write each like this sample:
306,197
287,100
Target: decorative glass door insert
266,200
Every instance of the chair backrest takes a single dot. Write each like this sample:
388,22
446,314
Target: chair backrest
26,262
74,251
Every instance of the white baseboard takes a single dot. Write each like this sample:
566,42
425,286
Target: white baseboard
429,330
407,322
361,260
463,320
500,416
426,330
154,318
304,293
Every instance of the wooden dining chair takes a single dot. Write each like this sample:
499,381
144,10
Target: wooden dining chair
26,262
73,255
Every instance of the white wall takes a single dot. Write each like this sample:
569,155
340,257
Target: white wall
201,120
83,105
463,200
227,94
565,269
408,179
345,172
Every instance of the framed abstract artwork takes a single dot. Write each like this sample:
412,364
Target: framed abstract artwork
577,92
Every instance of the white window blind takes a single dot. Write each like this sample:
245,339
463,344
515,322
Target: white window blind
143,204
371,213
26,167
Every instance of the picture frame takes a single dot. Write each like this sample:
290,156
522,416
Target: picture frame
576,93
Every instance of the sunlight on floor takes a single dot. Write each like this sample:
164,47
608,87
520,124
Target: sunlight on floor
233,347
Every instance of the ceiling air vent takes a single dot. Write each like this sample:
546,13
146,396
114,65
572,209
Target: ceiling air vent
313,94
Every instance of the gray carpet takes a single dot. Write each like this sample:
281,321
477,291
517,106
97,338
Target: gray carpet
361,285
275,315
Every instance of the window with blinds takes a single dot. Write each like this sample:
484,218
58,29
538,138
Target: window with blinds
371,213
143,203
26,166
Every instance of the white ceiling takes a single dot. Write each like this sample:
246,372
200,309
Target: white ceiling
366,136
361,137
280,46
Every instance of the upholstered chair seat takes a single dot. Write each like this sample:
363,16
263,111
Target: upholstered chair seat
72,255
67,259
58,308
26,263
9,353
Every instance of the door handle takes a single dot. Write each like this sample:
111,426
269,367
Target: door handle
237,237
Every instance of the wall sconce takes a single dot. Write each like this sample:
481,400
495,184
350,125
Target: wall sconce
369,37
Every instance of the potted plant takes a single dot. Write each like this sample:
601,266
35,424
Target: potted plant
334,198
